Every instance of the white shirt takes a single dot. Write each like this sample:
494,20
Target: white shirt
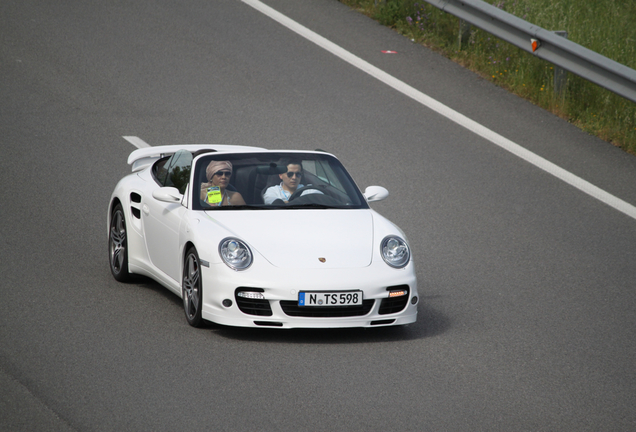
277,192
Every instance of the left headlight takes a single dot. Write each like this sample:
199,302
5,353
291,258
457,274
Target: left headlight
395,251
235,253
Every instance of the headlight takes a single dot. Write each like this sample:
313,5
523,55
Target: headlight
395,251
235,254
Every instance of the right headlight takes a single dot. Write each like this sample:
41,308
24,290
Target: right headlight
235,254
395,251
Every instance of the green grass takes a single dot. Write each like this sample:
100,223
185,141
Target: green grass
607,27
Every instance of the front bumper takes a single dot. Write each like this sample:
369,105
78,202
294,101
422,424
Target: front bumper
280,288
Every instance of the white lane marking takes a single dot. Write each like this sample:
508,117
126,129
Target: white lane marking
136,141
447,112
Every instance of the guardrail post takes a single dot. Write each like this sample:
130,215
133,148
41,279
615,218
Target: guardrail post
464,32
560,74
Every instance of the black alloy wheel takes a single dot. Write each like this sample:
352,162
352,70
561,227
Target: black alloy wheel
191,289
118,245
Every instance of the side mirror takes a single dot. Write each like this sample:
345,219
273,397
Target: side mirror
168,194
375,193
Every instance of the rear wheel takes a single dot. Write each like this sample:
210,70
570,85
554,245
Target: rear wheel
118,245
191,289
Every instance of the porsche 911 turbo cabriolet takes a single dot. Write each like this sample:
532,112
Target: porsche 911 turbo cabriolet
252,237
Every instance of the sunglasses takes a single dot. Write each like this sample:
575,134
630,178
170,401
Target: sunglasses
291,174
223,173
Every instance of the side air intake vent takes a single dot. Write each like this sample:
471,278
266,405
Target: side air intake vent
398,298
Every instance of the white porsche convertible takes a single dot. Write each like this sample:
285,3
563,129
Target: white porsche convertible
257,238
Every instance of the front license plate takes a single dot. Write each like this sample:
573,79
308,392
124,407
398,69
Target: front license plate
347,298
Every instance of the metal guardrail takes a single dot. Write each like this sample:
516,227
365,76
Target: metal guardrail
551,47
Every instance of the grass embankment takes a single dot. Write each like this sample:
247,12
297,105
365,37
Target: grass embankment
607,27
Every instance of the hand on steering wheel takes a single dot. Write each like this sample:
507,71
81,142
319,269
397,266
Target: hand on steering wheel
299,192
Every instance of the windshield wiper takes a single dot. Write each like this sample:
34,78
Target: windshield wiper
308,206
269,207
234,207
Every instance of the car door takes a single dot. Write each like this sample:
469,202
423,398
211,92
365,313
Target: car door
161,220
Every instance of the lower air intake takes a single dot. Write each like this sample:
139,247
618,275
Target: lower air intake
291,308
394,304
252,306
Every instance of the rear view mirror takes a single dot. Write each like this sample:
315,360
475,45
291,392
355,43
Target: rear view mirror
375,193
167,194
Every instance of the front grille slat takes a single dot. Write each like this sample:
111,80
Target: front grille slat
254,307
291,308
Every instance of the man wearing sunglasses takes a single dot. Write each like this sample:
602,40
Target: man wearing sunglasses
290,183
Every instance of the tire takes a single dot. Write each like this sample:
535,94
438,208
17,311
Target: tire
191,289
118,245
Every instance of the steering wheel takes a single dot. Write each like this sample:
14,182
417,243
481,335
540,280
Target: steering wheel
299,192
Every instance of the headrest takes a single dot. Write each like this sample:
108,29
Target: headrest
271,169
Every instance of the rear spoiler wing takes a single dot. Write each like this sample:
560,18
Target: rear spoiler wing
141,158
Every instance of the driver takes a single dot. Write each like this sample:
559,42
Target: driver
215,192
290,183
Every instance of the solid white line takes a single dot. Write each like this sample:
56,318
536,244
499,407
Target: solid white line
447,112
136,141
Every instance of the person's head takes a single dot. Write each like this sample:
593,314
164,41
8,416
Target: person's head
219,173
291,179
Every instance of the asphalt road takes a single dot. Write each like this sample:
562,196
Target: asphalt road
527,285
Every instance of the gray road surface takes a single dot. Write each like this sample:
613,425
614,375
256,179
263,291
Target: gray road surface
528,307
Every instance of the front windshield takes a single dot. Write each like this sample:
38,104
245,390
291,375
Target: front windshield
273,181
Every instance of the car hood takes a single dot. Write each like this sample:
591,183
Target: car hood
304,238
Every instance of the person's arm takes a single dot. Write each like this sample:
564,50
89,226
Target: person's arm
236,198
270,195
204,188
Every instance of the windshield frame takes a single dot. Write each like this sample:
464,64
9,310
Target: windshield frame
254,171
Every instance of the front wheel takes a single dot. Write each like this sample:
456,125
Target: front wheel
118,245
191,289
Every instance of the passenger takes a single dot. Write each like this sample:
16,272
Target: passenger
290,183
215,192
